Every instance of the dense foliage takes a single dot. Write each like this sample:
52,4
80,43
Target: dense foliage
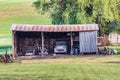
106,13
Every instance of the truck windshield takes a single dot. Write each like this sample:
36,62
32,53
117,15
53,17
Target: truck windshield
60,43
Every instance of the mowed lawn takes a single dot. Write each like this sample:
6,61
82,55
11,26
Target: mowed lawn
71,68
17,12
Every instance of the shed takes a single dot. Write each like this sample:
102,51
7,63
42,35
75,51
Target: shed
114,38
27,38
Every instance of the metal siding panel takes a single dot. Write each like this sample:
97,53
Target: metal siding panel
65,28
82,28
87,28
87,41
32,28
73,28
41,28
29,28
90,27
78,28
55,28
37,28
62,28
24,28
81,41
19,28
93,41
46,28
16,28
49,28
68,28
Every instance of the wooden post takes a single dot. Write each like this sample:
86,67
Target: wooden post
14,47
71,38
12,44
42,36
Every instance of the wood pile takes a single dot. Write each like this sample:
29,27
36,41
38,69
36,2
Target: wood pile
29,45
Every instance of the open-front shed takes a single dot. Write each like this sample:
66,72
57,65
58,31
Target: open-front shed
32,38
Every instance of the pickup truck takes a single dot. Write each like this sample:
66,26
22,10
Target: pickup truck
60,47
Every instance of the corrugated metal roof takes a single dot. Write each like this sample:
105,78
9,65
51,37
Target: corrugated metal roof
54,28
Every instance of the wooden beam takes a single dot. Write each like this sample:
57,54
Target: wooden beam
42,36
71,39
14,46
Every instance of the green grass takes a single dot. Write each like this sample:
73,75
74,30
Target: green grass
115,47
73,68
17,12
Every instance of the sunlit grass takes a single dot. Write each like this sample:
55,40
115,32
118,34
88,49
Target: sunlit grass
77,59
17,12
72,68
115,47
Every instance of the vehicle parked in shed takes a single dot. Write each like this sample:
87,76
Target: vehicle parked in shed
60,47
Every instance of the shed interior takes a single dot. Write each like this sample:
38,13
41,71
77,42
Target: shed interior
30,42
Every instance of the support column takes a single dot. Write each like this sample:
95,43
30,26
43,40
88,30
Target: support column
14,42
42,36
71,39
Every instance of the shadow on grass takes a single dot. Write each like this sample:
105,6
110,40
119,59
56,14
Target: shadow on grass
103,56
113,62
96,56
5,47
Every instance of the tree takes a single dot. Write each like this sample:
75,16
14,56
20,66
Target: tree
102,12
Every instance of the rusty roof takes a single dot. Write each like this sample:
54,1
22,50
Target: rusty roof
54,28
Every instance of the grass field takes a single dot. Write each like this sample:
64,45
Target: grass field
17,12
72,68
